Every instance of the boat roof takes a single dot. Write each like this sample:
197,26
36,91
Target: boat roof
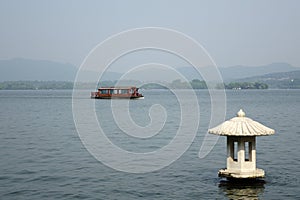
120,87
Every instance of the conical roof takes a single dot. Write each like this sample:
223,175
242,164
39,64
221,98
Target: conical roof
241,126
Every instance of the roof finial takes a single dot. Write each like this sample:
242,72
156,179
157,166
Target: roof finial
241,113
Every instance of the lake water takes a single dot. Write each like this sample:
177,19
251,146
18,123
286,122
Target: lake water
42,156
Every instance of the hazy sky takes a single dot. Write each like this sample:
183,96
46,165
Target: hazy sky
233,32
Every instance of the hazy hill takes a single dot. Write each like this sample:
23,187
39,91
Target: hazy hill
239,72
42,70
26,69
282,80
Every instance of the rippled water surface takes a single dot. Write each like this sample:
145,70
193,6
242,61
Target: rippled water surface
42,156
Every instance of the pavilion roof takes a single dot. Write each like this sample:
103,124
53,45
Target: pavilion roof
241,126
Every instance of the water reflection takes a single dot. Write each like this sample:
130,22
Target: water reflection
241,190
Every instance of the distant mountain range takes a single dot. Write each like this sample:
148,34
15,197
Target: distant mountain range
26,69
43,70
279,80
239,72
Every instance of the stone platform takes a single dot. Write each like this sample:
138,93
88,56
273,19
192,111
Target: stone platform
258,173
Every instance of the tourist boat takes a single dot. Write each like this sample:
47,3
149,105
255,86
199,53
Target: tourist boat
117,93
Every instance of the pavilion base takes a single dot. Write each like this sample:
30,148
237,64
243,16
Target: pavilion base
258,173
242,182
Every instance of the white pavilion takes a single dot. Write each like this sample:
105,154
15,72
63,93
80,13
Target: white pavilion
241,133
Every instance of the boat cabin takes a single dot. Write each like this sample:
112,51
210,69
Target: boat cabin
117,92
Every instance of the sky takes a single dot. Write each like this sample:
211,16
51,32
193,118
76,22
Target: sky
233,32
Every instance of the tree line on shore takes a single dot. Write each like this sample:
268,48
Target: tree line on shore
197,84
176,84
